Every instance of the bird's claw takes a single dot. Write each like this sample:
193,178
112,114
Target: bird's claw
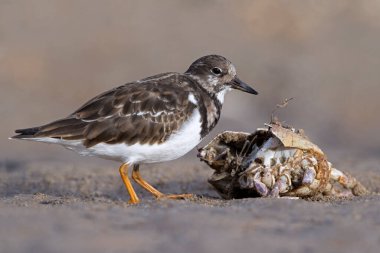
176,196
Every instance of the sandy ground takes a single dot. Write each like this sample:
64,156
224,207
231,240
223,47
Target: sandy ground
51,206
55,55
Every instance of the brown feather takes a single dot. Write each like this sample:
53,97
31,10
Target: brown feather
139,112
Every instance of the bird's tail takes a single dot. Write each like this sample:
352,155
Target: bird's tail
67,128
26,133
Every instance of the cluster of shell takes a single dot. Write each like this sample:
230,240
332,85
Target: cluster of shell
273,162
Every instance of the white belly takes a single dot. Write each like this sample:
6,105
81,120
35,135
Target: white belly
176,146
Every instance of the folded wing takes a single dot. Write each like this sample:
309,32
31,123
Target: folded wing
140,112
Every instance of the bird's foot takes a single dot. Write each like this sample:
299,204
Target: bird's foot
133,201
176,196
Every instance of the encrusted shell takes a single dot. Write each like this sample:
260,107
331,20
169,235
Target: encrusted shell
272,162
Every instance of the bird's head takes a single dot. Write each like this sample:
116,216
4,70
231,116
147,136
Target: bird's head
217,75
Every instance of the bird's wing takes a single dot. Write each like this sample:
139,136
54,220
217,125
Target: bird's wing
141,112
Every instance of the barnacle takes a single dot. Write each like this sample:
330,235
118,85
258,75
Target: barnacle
272,162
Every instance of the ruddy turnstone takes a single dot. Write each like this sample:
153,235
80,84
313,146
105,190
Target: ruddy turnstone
155,119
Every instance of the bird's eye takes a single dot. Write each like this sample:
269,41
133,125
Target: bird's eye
216,71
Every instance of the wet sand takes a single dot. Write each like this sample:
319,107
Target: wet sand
51,206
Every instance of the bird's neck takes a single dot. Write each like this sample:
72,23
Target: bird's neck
210,106
210,110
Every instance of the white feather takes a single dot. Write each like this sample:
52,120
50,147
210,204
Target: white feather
220,95
192,99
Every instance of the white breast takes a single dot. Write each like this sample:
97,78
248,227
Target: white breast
176,146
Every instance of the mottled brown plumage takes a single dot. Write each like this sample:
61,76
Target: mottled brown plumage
146,111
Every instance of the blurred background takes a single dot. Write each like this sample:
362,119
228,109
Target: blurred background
55,55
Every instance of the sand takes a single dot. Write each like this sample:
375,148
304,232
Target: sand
52,206
55,55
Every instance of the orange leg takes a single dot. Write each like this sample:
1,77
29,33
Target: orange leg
138,179
124,176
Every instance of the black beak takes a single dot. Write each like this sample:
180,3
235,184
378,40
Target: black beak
236,83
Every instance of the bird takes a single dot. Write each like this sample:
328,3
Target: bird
155,119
